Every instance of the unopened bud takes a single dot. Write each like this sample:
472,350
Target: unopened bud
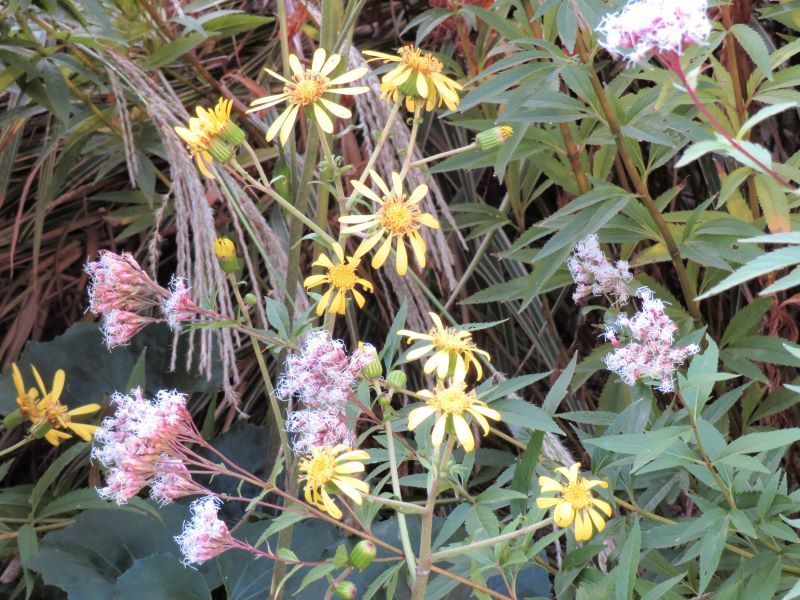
346,590
250,299
494,137
396,379
13,419
374,369
220,150
362,554
225,250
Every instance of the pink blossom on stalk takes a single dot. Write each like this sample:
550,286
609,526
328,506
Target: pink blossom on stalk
650,352
594,274
119,283
142,440
318,428
179,306
173,481
663,27
205,535
119,327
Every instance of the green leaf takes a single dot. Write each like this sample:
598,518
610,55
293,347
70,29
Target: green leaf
559,389
233,24
762,441
755,47
763,114
524,471
161,577
746,320
53,471
495,495
628,563
392,339
767,263
660,591
523,414
173,50
700,378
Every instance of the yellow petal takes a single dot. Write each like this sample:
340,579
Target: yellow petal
603,505
83,431
563,514
383,252
544,502
546,484
58,384
463,433
418,194
18,382
402,257
295,65
349,76
437,435
418,415
322,118
583,527
288,124
597,519
318,60
86,409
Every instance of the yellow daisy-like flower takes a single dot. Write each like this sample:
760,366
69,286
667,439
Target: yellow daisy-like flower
398,217
575,502
49,410
453,350
327,470
419,77
342,279
450,404
307,90
210,135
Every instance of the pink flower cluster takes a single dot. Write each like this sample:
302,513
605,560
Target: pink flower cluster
650,352
205,535
143,444
594,274
663,27
322,376
123,294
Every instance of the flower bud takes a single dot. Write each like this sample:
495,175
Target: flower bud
13,419
40,430
346,590
374,369
220,150
396,379
494,137
362,554
250,299
225,250
232,134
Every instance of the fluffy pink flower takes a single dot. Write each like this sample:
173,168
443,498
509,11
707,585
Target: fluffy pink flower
179,306
119,283
663,27
650,352
323,375
142,440
594,274
173,481
206,535
318,428
119,327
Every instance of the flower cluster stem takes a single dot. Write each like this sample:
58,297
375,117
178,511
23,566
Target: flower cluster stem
401,518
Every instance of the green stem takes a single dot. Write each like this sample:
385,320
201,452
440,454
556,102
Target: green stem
379,146
400,507
401,518
441,155
412,141
13,447
491,541
425,561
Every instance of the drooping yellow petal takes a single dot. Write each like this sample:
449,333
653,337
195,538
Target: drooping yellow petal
563,514
463,433
418,415
437,435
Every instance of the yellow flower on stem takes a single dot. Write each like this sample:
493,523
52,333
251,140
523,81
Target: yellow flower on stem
398,216
307,89
328,470
450,404
211,135
453,350
575,502
48,411
342,279
418,77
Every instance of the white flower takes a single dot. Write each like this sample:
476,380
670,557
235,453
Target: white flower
658,26
594,274
206,535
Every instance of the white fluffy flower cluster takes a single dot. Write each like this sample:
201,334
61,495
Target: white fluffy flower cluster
594,274
664,27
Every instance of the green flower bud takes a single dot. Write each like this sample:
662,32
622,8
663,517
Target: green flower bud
374,369
363,554
494,137
396,379
13,419
232,134
250,299
40,430
346,590
225,250
220,150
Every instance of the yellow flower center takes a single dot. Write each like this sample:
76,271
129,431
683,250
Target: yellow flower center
343,276
425,63
448,341
319,468
578,495
452,401
397,217
57,415
307,88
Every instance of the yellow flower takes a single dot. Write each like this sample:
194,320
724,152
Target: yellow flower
328,470
453,350
419,77
225,250
449,404
342,278
210,135
575,502
398,216
49,410
307,89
